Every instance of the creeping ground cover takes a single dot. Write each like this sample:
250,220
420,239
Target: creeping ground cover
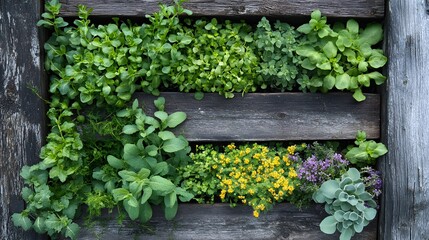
103,151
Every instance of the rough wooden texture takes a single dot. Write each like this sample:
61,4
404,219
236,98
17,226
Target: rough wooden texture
273,116
234,8
21,111
406,168
219,221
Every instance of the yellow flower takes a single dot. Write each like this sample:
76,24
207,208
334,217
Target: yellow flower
291,149
251,191
244,201
214,166
256,214
222,194
231,146
246,161
230,190
247,150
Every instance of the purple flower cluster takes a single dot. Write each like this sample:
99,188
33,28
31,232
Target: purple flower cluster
372,181
317,171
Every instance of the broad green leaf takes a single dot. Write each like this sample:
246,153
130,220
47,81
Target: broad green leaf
161,185
342,81
39,225
161,115
161,168
115,162
166,69
328,225
324,65
130,129
329,188
330,50
372,34
170,212
378,77
329,82
131,152
72,230
22,221
166,135
354,174
175,119
120,194
53,222
132,210
305,28
316,14
184,196
377,61
170,199
358,228
174,145
352,26
380,150
143,173
145,212
147,193
152,150
356,155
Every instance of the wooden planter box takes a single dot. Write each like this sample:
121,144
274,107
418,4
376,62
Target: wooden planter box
220,221
254,117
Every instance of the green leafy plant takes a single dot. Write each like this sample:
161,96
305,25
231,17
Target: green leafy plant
143,169
366,152
276,48
351,208
341,57
199,175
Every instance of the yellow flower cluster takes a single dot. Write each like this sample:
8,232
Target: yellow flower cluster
256,175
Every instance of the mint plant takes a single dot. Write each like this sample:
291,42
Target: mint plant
341,57
351,208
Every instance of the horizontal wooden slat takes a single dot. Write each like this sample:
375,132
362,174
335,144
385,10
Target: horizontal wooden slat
220,221
272,116
234,8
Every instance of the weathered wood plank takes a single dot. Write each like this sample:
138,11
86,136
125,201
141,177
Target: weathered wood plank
406,168
272,116
220,221
234,8
21,111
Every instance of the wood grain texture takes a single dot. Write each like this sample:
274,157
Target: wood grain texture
21,111
272,116
220,221
234,8
406,168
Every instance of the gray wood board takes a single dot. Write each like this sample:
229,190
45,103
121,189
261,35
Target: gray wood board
272,116
234,8
405,208
220,221
21,111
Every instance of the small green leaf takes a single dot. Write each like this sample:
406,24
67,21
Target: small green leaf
369,213
329,188
161,115
20,220
347,234
72,230
354,174
378,77
330,50
39,225
358,95
329,82
305,28
159,103
328,225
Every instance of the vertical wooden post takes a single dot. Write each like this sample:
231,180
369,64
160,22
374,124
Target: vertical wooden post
21,111
405,212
